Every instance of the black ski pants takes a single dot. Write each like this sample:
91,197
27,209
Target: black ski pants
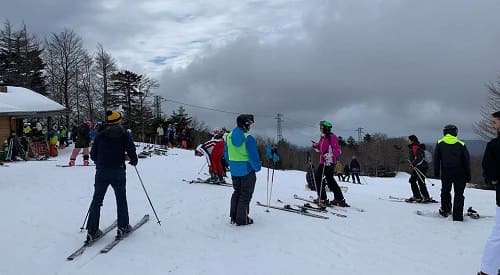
327,172
103,178
453,178
355,175
417,183
240,200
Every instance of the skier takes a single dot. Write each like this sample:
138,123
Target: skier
241,152
63,137
419,167
171,136
184,137
108,152
452,165
339,170
490,262
53,140
160,133
213,151
82,141
347,173
355,169
329,149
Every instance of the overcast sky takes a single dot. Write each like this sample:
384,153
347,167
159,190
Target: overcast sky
394,67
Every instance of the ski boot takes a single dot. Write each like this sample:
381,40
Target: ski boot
472,213
122,232
443,213
340,203
71,162
413,199
92,237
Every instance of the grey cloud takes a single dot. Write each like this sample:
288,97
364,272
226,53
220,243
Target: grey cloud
398,68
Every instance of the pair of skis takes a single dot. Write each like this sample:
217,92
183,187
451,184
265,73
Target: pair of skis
289,208
311,200
207,182
321,209
60,165
399,199
110,245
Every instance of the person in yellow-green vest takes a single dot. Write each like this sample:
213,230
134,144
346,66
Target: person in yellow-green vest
452,165
240,150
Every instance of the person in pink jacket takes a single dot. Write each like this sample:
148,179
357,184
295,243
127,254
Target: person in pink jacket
329,149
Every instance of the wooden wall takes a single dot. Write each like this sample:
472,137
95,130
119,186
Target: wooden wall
5,127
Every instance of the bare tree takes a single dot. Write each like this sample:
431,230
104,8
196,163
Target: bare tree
105,67
63,53
145,87
483,127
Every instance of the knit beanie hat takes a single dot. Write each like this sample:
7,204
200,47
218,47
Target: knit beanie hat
113,116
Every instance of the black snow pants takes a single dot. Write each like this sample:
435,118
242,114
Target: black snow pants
453,178
330,182
103,178
417,183
240,200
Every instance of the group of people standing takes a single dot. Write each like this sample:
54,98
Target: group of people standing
171,138
347,171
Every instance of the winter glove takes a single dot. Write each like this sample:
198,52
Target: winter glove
133,162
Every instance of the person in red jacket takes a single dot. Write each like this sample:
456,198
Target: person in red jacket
213,150
419,168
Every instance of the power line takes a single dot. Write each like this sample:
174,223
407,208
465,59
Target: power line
215,110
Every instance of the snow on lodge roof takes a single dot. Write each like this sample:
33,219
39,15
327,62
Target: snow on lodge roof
18,101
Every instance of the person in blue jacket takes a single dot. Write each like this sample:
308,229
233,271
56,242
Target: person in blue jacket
241,152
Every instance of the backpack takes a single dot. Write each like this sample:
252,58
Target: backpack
427,156
310,179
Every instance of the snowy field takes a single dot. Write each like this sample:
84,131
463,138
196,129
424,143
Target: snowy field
43,207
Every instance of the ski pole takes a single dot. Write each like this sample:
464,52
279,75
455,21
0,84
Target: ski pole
272,181
422,174
145,192
85,220
267,189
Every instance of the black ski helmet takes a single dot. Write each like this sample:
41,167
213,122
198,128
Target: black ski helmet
450,129
244,121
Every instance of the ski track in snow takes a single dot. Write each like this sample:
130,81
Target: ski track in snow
44,207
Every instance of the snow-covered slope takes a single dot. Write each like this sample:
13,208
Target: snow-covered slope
44,207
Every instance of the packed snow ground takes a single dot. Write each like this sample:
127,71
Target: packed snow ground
44,207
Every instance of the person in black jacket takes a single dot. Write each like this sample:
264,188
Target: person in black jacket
452,165
355,169
491,171
418,167
108,153
81,136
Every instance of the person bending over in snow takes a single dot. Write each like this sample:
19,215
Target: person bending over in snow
213,151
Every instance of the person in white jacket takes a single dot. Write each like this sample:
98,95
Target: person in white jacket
490,262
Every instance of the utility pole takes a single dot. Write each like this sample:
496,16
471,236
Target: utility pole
279,118
360,133
157,106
